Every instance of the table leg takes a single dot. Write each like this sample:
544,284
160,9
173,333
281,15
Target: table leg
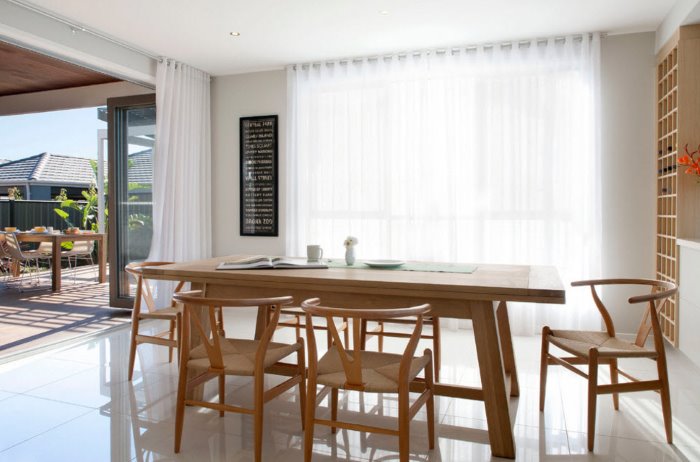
507,348
55,265
493,382
102,260
196,393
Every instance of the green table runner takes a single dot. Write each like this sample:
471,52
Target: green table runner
410,266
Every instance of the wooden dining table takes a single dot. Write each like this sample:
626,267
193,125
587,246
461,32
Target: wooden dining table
56,239
480,296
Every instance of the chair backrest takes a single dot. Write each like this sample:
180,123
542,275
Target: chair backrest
13,248
659,294
143,288
3,252
212,338
351,358
85,247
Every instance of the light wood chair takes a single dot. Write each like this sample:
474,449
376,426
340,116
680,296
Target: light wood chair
380,332
596,348
367,371
172,314
218,356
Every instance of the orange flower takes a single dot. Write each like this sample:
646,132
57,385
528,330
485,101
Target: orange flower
691,160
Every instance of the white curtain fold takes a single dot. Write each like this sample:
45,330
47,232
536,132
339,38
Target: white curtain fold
486,154
181,164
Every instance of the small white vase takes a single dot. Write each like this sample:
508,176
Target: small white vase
350,256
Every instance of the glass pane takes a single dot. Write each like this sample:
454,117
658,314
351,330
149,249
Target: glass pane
135,188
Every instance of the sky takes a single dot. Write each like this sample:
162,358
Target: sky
72,133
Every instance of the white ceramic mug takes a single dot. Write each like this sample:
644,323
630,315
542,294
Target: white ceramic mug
314,252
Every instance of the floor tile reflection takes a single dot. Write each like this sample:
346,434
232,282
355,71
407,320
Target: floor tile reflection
76,404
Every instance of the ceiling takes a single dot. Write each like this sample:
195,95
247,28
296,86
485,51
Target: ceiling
24,71
279,32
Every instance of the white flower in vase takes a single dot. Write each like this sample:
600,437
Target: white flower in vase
350,243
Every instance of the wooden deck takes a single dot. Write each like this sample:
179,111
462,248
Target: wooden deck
37,317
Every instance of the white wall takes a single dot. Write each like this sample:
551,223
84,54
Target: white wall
628,176
232,97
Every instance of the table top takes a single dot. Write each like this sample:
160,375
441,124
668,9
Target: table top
28,236
539,284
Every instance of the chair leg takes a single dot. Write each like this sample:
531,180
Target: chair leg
222,392
592,395
132,343
437,350
171,337
178,333
301,362
665,396
430,404
334,407
363,333
310,418
544,357
380,337
614,380
297,324
180,406
259,403
404,427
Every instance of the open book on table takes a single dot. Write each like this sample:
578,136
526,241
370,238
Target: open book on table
262,262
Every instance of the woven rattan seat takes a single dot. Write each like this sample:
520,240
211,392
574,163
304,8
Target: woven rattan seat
579,343
239,355
380,371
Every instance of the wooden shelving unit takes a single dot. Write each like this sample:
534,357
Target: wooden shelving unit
667,182
677,124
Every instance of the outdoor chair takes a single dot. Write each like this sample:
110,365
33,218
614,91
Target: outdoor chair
80,250
24,258
172,314
599,348
216,356
348,368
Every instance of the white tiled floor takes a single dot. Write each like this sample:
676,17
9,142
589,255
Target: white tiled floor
75,404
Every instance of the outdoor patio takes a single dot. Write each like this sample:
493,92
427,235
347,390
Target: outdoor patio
37,317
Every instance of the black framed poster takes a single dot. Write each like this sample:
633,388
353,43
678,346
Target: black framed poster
259,176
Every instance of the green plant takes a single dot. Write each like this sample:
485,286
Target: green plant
88,209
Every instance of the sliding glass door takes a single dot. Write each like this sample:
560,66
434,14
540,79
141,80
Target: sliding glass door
131,132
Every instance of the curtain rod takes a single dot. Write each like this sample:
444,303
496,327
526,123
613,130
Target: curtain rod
442,51
76,27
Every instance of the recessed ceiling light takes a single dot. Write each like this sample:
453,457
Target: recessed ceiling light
383,12
234,34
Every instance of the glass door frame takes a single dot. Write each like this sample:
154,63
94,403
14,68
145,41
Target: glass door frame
118,143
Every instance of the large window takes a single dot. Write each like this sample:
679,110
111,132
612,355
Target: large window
475,155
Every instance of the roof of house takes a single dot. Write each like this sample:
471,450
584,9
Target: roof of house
3,161
141,167
63,170
48,168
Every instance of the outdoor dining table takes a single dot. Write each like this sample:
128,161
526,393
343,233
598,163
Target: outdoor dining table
56,239
480,296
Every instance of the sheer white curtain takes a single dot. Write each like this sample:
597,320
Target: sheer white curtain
485,154
181,164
